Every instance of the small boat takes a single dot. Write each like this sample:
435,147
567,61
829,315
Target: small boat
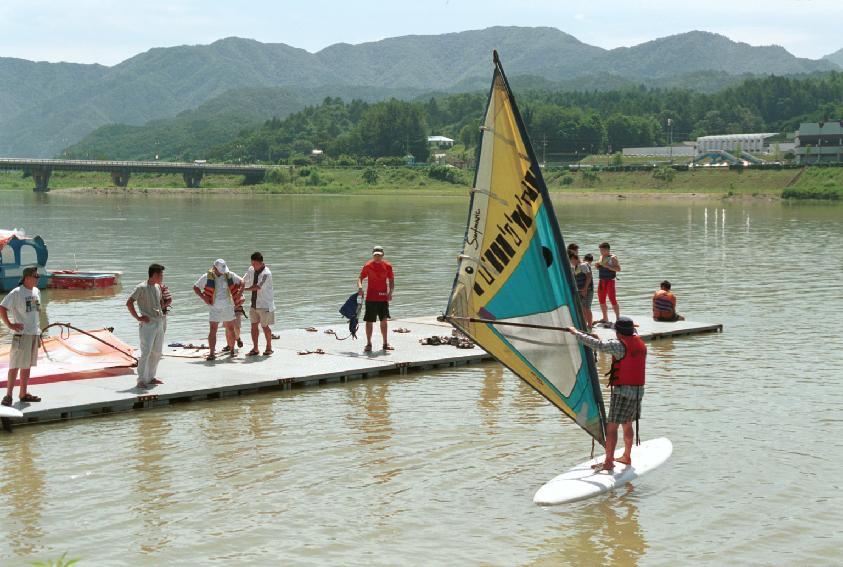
18,251
73,279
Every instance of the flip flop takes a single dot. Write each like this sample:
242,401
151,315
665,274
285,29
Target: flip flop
388,347
253,352
267,352
225,349
7,401
367,348
30,398
598,467
211,356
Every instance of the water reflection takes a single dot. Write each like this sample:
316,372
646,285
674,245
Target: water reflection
23,493
527,403
490,395
153,492
374,422
603,532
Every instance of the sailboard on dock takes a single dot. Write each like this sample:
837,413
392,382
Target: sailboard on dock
514,292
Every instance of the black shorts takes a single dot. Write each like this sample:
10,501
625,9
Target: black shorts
375,310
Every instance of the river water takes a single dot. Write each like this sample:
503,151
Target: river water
439,468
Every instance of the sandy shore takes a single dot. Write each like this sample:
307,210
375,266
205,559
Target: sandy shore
456,192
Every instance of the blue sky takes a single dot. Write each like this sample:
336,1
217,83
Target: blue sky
107,32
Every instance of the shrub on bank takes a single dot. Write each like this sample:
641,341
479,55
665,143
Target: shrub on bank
445,173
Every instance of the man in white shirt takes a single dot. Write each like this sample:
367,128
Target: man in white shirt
150,315
222,290
24,305
258,281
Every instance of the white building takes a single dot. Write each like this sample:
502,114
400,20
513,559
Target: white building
752,143
440,141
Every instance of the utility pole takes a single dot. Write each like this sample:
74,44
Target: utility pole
670,138
544,149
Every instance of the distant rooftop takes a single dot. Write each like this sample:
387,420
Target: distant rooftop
737,137
439,140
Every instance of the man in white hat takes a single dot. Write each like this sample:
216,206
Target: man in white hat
222,290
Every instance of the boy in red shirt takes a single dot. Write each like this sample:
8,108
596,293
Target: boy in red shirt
378,295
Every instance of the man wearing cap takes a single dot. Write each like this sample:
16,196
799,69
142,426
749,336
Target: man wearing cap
151,318
222,290
626,379
378,295
24,304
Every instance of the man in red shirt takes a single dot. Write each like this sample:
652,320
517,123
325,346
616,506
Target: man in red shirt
378,295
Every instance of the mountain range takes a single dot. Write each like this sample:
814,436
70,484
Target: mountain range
45,107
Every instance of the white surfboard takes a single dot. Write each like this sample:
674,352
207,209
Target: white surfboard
582,482
6,411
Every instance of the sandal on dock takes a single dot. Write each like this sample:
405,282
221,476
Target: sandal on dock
267,352
30,398
211,356
7,401
367,348
253,352
388,346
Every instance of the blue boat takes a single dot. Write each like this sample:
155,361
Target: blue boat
18,251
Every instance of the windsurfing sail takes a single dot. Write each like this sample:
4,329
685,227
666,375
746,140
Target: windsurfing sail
72,356
514,289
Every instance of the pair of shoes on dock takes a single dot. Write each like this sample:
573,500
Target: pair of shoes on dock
317,351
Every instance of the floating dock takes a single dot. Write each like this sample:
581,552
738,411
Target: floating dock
187,376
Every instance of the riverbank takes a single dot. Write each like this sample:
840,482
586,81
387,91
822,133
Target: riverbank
699,184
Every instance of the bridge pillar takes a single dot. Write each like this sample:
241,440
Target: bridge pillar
41,175
192,179
120,178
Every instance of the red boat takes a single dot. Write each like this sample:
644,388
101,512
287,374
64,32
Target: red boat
72,279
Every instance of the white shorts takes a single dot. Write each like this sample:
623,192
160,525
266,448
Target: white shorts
24,353
262,317
221,314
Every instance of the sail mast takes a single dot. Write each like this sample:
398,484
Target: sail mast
514,288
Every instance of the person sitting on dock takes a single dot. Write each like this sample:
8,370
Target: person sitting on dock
151,316
24,304
607,270
378,295
626,379
664,305
258,281
222,290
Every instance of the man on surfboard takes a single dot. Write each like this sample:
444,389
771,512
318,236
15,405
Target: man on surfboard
626,378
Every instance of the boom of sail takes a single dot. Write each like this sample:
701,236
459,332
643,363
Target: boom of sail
514,289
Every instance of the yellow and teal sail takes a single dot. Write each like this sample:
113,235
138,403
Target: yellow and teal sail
514,290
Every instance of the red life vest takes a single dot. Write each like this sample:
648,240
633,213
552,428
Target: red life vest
233,288
629,370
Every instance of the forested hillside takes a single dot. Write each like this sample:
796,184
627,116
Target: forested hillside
47,107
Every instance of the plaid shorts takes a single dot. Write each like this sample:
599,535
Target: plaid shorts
625,405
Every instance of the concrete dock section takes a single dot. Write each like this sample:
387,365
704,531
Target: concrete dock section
301,358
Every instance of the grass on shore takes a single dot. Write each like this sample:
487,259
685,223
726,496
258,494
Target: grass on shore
810,183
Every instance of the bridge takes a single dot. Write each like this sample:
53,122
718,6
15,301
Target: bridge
192,173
